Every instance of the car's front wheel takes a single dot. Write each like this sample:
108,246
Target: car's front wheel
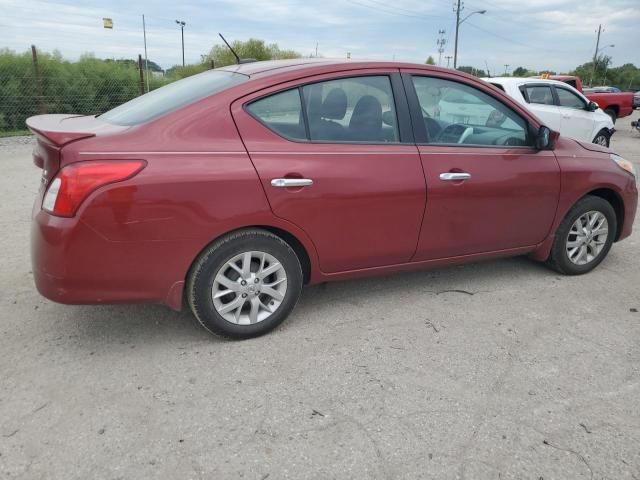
245,284
584,237
602,138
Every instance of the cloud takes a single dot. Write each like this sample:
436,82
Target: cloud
554,34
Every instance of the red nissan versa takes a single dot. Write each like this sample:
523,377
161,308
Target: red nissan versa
230,189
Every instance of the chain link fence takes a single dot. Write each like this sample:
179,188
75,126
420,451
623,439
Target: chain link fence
32,83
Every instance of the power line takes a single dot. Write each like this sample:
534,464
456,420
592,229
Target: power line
413,12
389,10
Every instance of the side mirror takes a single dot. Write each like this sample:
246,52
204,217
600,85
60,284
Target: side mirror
592,106
543,138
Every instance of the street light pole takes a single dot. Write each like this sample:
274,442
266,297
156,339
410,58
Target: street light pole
459,7
182,24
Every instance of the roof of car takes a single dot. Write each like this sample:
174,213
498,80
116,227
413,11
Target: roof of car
270,67
521,80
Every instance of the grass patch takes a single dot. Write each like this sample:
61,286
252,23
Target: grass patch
14,133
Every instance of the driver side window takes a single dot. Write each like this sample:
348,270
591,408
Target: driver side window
455,113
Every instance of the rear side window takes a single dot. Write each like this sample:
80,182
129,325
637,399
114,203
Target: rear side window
351,110
282,113
569,99
172,97
358,109
539,94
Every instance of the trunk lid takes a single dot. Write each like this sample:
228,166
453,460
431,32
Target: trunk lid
53,132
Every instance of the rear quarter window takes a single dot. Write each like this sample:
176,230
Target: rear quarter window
172,97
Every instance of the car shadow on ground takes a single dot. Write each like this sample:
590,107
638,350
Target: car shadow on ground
131,324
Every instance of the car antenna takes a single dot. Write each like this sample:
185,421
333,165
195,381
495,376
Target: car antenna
238,59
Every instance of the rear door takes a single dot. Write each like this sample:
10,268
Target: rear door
488,189
335,155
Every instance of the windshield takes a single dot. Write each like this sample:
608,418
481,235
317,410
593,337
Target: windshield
171,97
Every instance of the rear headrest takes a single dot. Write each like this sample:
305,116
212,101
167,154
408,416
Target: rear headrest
334,106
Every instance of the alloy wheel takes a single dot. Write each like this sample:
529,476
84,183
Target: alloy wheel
249,288
587,237
601,140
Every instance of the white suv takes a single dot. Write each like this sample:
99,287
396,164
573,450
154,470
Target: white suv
560,106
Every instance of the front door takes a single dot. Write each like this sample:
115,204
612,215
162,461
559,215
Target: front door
577,121
336,157
487,189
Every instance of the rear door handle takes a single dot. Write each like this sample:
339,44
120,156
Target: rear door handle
291,182
454,176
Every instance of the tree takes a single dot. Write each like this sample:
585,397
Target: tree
625,77
473,71
523,72
593,73
252,48
430,61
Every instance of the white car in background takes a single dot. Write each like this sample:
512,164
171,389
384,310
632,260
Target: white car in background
560,106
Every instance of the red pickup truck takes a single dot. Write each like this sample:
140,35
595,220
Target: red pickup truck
616,105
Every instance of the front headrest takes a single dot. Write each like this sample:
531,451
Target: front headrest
334,106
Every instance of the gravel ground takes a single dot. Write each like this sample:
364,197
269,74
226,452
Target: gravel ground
500,370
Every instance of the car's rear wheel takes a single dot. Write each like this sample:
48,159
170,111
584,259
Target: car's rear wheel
245,284
602,138
612,113
584,237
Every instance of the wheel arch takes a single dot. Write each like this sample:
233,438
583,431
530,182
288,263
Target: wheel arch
301,250
615,108
615,201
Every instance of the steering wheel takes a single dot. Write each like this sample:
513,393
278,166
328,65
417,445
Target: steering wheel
453,129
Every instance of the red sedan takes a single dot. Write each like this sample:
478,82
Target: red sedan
231,189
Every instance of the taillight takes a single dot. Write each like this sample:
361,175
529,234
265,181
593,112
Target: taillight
76,181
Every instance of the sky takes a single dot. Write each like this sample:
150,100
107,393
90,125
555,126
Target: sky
553,35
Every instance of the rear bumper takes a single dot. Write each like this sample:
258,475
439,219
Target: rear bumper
73,264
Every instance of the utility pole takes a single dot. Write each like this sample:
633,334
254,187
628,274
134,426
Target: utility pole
458,9
36,70
316,49
146,60
448,57
595,55
506,67
141,74
441,42
182,24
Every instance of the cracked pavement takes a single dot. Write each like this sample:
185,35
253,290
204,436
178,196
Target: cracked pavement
534,376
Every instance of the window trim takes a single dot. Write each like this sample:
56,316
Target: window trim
404,125
523,90
245,108
421,134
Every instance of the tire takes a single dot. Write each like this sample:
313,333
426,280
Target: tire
559,258
612,113
248,309
602,138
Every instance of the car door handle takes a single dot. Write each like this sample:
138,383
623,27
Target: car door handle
454,176
291,182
